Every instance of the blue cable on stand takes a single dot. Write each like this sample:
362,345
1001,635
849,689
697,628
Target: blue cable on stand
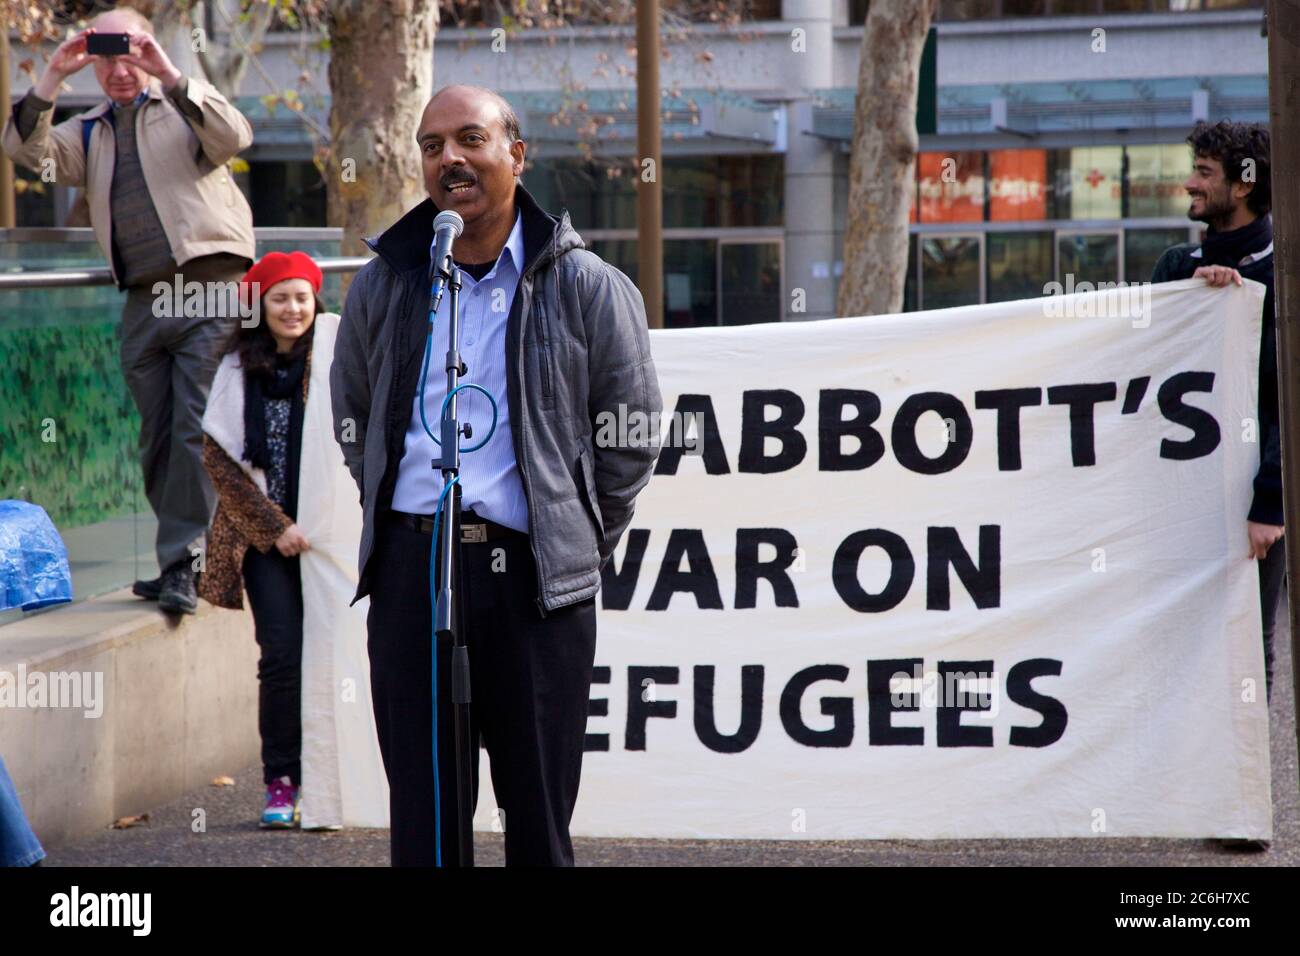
433,557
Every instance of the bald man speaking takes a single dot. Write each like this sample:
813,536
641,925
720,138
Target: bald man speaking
559,337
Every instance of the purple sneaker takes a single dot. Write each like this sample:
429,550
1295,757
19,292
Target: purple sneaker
282,812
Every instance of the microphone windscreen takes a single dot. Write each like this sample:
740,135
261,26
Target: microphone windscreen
448,218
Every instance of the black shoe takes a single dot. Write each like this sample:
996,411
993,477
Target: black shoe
178,594
149,590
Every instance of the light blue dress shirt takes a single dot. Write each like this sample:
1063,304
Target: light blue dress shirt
490,483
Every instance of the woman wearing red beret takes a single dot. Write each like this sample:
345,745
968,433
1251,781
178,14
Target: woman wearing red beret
286,530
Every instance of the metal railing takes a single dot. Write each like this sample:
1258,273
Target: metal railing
64,278
100,275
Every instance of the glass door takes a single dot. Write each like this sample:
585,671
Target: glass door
1093,255
749,282
952,268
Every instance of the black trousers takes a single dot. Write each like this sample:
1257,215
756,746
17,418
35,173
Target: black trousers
1272,581
168,362
274,586
530,678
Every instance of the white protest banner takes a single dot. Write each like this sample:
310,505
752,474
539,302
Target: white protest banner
979,572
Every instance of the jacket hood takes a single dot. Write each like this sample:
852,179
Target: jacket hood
405,244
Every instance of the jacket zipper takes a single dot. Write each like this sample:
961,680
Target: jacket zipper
545,359
523,441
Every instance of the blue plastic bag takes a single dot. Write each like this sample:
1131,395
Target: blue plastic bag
34,568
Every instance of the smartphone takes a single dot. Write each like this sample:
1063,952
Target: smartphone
108,44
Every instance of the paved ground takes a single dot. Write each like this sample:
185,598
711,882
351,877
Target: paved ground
233,839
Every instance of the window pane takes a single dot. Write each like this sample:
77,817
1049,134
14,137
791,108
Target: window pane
909,286
598,196
34,204
950,272
951,186
1142,249
763,9
698,191
751,283
726,191
1155,180
286,194
965,9
1017,184
690,283
1085,182
1089,258
840,194
690,277
1019,264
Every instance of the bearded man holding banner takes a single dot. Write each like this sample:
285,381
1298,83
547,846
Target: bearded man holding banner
559,338
1231,191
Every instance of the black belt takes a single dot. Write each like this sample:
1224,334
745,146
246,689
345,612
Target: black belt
473,529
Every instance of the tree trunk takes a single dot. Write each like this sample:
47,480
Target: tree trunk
381,77
883,159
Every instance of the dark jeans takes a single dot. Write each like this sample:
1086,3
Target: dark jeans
168,362
530,677
1272,581
274,586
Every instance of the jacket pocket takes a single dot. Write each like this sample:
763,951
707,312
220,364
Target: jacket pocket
587,492
544,336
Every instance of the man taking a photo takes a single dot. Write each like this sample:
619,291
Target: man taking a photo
164,208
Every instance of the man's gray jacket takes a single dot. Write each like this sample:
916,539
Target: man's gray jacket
576,346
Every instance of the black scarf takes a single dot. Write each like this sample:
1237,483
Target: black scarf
285,381
1230,247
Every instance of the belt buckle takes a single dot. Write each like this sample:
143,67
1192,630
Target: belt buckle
473,533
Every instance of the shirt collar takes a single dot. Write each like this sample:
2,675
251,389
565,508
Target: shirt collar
140,98
514,246
512,252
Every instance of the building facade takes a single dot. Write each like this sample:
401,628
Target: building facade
1058,153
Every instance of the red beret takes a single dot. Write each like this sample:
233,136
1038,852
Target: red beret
276,267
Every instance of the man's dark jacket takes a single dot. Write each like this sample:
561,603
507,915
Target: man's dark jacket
1229,249
576,346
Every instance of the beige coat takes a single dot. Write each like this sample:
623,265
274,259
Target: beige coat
184,164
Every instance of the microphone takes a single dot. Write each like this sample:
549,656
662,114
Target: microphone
447,225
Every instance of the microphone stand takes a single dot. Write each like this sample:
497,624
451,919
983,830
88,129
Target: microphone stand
446,626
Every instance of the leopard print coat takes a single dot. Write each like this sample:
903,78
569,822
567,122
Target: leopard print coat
245,517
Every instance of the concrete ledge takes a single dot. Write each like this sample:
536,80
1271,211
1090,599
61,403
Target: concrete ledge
178,700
